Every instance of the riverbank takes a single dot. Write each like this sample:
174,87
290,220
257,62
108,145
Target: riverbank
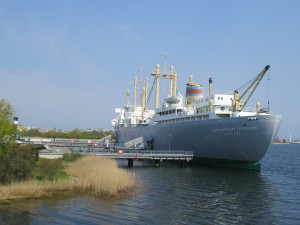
90,175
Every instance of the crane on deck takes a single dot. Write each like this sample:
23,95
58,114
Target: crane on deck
237,103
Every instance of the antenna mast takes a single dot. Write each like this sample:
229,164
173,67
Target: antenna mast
140,81
268,91
165,55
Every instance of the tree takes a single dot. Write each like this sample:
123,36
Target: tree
7,134
16,162
7,128
33,133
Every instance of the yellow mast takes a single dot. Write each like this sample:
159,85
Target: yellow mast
171,79
127,98
174,84
143,102
156,74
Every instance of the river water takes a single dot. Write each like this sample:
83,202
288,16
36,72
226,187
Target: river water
175,195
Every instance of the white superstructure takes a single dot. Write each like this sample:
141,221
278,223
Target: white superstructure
176,109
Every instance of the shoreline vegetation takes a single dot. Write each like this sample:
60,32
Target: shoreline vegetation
91,175
24,175
74,134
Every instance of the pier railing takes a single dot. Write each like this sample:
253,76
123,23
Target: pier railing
157,156
145,154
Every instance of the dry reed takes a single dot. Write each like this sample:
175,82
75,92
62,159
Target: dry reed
99,175
93,175
36,189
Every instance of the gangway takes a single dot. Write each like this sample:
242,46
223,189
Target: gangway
133,143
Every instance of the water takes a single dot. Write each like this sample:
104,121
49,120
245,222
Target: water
174,195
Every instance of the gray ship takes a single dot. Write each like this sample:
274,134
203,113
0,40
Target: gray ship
218,128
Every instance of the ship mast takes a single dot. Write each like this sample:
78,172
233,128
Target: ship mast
165,54
172,79
172,84
146,94
127,98
157,75
134,97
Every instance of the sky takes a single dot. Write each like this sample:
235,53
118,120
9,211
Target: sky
68,63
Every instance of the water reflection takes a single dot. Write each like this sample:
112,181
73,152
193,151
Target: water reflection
209,195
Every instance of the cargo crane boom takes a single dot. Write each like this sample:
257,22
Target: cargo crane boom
237,101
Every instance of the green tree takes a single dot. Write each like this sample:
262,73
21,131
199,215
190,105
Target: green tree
33,133
7,128
16,162
74,134
7,134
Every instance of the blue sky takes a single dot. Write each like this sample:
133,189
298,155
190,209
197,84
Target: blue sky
68,64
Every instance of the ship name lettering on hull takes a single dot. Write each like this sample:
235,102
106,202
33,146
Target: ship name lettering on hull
234,131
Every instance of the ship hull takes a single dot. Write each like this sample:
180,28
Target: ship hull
236,139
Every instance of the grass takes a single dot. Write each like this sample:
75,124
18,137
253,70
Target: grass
88,175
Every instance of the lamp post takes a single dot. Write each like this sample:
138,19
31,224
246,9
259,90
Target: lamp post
133,141
54,135
170,141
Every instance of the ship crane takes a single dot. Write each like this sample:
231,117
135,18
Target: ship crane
237,103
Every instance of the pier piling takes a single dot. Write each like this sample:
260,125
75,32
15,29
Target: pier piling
157,162
130,162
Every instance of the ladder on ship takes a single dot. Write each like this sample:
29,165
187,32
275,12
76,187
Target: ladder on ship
133,143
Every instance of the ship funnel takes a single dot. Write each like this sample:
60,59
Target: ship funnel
211,101
193,91
210,87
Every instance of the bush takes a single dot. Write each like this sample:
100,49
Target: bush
18,163
71,157
49,169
